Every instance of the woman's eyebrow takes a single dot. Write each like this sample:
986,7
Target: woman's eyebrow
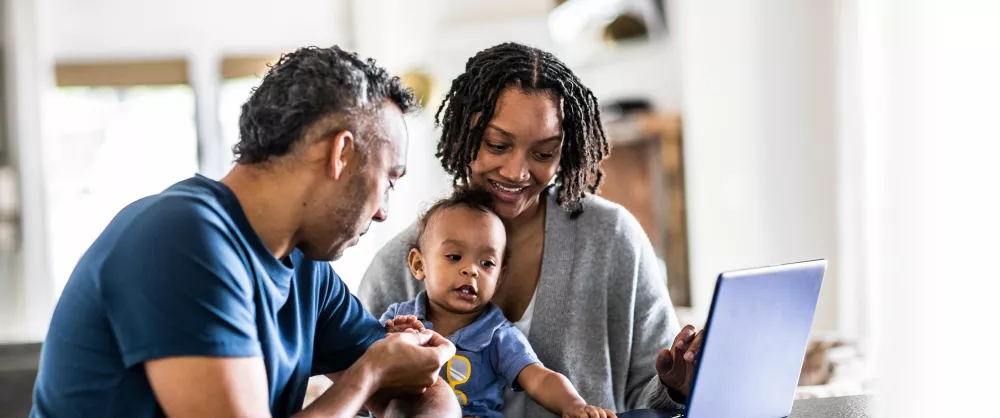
501,131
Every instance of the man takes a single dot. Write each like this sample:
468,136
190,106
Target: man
216,298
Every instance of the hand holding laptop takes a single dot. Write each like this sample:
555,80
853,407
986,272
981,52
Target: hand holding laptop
675,365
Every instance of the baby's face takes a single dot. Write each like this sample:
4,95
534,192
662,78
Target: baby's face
462,252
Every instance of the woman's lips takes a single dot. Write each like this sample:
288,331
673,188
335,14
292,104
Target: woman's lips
506,192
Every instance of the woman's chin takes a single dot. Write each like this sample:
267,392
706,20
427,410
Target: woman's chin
507,210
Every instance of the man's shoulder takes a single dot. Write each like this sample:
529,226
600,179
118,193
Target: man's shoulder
168,230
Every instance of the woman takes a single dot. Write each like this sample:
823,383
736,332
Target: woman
584,283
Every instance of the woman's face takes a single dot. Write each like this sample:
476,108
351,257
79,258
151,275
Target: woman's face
520,151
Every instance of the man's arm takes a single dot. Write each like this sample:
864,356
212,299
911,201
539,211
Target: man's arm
426,398
212,386
237,387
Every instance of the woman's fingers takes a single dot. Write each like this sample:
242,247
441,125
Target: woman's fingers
692,352
684,338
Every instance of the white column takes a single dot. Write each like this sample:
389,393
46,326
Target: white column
758,104
28,75
204,76
931,98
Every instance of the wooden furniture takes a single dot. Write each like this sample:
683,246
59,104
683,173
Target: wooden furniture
645,174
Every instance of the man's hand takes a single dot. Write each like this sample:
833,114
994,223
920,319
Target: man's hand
675,366
409,361
403,323
402,364
588,411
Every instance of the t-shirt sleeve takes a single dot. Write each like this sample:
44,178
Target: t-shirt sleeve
344,328
175,285
389,314
511,354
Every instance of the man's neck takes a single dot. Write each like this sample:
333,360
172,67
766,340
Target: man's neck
447,323
269,205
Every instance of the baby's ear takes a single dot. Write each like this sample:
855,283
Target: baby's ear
416,262
502,276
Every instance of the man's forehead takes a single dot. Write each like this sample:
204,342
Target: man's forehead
394,123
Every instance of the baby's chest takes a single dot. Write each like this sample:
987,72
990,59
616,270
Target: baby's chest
472,377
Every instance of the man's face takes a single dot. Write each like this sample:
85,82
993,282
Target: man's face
347,208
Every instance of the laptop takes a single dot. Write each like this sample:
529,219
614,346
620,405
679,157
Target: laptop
754,343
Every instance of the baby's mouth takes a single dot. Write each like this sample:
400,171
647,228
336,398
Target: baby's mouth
466,292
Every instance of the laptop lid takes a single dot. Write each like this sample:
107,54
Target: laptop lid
755,341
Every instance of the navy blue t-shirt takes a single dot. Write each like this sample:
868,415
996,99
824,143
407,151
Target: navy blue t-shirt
182,273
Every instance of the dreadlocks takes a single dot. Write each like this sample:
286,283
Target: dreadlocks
531,70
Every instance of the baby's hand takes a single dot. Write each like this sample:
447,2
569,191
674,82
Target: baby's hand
402,323
587,411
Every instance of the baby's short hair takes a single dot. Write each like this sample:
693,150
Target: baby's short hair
470,197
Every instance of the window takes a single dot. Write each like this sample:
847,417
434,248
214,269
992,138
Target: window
232,94
107,147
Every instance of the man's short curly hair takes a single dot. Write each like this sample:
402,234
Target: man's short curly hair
306,86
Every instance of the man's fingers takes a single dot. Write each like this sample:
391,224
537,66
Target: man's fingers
611,414
416,338
444,349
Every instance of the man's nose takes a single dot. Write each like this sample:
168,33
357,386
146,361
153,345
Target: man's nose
380,215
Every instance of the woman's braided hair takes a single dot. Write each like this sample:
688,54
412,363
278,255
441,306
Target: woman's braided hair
531,70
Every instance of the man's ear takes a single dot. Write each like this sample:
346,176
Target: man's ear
416,261
343,151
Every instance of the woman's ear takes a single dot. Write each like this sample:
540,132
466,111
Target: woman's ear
416,262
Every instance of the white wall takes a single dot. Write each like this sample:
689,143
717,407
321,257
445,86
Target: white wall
759,109
930,105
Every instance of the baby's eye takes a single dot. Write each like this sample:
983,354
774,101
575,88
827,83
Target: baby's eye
453,257
488,264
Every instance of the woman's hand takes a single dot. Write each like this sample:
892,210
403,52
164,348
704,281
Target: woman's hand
675,365
402,323
587,411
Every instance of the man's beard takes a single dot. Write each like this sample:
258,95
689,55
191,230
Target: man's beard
347,216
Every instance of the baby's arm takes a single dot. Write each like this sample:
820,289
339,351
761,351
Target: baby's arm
554,391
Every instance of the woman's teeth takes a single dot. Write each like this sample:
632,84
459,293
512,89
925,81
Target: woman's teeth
506,189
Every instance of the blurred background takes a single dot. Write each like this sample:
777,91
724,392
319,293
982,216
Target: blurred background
744,132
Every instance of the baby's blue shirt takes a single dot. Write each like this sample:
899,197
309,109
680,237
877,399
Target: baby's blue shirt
491,352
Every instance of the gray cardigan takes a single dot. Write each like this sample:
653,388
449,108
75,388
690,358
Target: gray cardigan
601,313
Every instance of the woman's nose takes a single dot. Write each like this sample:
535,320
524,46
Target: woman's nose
515,169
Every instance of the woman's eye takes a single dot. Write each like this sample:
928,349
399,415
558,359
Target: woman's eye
544,156
453,257
497,147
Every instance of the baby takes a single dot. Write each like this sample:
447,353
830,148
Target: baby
460,256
